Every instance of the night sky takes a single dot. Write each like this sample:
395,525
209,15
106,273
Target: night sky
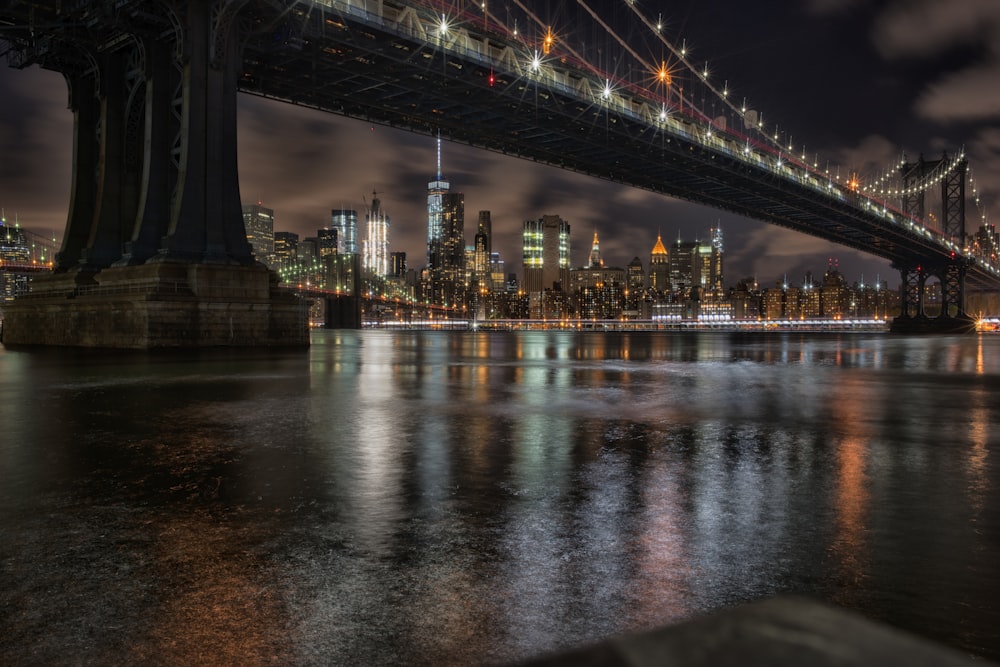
858,82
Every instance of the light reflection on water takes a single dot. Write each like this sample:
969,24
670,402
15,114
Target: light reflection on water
457,498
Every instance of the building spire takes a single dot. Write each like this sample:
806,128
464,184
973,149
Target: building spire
439,155
595,253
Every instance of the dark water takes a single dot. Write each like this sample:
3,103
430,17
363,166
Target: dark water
461,498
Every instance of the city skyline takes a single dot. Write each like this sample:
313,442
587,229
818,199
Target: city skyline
915,71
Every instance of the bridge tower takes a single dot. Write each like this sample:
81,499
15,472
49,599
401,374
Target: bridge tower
155,252
951,272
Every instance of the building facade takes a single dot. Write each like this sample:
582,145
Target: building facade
545,252
259,223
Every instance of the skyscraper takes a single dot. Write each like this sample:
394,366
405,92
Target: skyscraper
345,221
482,252
377,243
659,267
259,223
436,190
327,242
397,264
285,249
545,247
445,240
452,266
715,270
682,264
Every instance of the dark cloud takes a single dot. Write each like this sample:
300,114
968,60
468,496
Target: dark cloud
855,83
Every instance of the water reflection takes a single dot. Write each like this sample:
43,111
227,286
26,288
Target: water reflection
457,498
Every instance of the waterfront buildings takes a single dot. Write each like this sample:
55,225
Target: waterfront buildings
684,282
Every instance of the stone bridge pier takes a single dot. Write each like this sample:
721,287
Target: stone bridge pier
155,252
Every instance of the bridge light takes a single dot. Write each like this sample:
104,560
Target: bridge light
443,25
606,93
536,62
663,74
550,39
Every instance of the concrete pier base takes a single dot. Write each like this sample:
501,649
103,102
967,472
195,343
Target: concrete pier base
158,305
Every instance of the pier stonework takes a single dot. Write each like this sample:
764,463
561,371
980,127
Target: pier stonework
155,252
159,306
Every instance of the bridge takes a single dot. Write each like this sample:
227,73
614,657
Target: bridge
155,198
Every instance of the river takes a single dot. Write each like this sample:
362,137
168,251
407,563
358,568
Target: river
452,498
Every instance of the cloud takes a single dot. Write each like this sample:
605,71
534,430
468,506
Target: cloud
870,159
969,95
923,28
984,160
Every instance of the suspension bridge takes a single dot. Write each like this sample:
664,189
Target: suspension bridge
157,186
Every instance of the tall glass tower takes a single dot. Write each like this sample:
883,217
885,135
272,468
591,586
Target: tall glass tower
345,221
436,190
445,240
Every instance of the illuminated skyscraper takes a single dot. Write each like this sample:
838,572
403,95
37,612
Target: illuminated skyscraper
377,243
445,241
715,269
345,221
259,223
682,264
659,267
482,252
545,247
